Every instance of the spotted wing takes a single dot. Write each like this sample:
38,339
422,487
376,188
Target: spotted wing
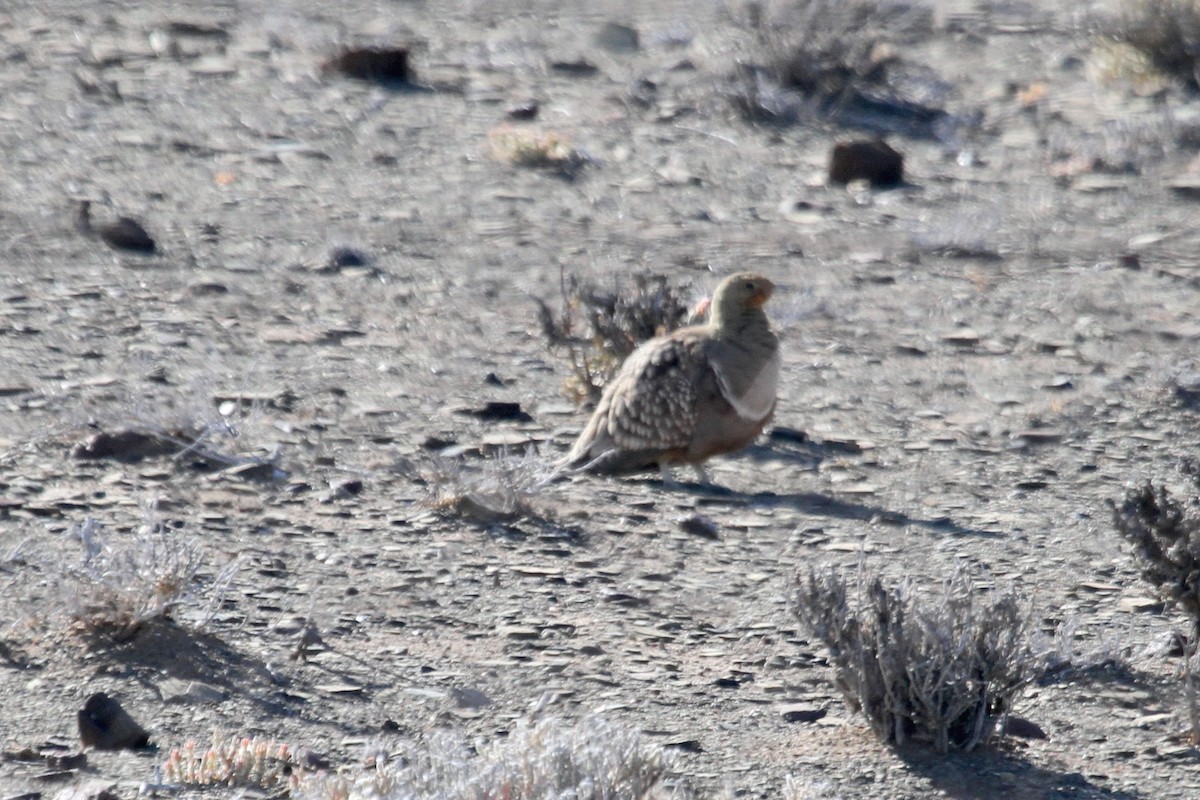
652,402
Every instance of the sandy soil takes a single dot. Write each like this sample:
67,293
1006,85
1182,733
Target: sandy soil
976,358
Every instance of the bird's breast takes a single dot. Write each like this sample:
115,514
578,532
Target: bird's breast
752,397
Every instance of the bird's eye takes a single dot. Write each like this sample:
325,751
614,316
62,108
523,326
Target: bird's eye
749,285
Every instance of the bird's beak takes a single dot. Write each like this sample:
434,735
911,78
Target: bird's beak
760,298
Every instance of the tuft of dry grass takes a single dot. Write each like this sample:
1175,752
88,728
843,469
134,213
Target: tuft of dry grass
1065,654
503,490
525,147
543,761
940,669
1165,535
598,328
969,233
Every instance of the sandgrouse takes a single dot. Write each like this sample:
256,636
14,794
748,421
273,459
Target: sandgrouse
692,394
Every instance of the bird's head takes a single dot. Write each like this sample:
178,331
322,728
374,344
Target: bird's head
739,294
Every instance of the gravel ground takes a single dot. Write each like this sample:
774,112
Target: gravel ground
975,362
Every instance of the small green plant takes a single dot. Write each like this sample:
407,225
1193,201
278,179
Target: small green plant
940,669
598,328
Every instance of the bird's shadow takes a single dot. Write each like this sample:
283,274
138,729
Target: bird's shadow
786,444
817,504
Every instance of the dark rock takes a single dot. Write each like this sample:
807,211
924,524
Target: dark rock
699,525
197,29
1022,728
524,110
1187,186
643,93
617,38
626,600
344,256
499,411
69,761
872,160
800,712
580,67
1187,387
105,725
351,487
685,743
127,446
786,434
208,289
263,471
378,64
125,233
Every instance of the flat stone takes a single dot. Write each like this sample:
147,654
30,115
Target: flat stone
467,698
801,712
1148,720
1140,605
189,692
344,688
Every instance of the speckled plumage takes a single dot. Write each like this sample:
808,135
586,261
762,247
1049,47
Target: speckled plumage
692,394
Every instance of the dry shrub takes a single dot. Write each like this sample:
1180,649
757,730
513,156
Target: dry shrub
544,761
1165,535
120,582
825,53
940,669
822,46
617,320
1167,32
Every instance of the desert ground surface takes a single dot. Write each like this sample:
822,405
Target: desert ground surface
975,362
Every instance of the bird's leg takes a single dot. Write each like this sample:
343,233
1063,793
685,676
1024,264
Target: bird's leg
669,481
664,471
83,216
